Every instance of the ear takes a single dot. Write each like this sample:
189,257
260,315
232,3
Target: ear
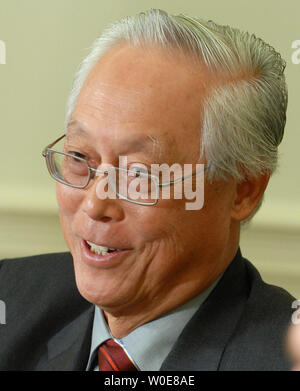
247,196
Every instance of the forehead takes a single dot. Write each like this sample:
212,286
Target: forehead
144,95
128,143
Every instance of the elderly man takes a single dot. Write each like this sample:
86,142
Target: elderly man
153,282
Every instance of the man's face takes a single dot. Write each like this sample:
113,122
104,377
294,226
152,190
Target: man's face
146,106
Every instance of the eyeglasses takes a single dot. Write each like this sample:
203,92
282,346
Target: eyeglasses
132,185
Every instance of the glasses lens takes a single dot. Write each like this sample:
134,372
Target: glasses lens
135,186
68,169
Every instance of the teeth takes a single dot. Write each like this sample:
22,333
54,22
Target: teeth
100,250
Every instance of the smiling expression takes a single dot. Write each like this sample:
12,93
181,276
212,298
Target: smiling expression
146,105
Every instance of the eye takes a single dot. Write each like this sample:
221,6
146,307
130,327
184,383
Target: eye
76,154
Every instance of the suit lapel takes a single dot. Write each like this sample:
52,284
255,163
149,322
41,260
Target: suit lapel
203,340
69,349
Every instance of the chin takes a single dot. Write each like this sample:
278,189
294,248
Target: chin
96,288
91,291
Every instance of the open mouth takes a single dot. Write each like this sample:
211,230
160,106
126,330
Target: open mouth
102,256
101,250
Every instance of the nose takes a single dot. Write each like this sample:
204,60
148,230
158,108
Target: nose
99,204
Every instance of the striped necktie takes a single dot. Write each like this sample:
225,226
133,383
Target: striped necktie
112,357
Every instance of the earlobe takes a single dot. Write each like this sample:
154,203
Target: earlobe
248,194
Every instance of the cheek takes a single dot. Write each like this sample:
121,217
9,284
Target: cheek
149,223
163,230
218,201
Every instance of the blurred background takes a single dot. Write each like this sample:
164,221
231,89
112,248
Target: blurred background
45,42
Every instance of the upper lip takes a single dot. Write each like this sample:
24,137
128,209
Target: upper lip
97,243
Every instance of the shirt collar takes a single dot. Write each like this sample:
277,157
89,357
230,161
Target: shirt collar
153,339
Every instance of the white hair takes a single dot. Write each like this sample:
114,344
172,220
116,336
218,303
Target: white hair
244,116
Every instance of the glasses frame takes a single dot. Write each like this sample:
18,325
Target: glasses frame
93,171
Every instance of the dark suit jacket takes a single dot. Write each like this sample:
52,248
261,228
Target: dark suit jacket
240,326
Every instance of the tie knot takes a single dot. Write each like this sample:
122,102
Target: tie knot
112,357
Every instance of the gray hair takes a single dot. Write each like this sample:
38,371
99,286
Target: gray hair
244,116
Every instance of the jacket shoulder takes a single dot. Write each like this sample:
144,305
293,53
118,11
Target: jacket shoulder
41,298
36,274
259,338
39,286
270,301
39,262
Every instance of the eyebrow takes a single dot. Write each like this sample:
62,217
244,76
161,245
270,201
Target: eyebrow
74,128
148,144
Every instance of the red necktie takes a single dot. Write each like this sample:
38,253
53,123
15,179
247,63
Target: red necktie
112,357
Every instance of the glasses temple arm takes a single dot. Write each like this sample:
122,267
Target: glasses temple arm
51,145
181,179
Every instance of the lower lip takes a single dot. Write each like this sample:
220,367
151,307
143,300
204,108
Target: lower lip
108,260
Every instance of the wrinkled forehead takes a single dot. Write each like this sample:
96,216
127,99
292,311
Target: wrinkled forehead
133,97
151,145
